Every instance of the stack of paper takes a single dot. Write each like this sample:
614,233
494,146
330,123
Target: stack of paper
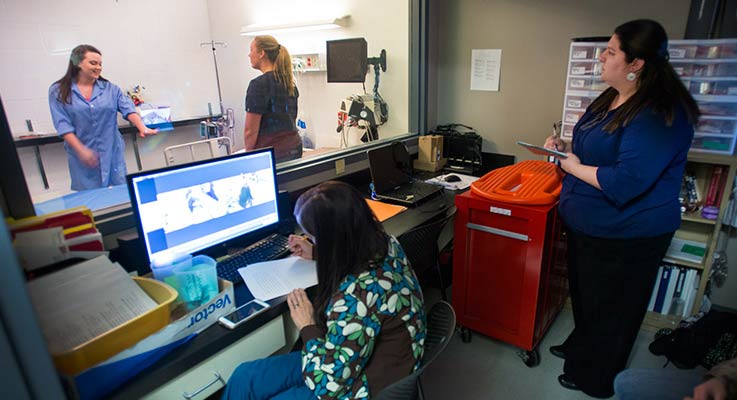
49,238
271,279
83,301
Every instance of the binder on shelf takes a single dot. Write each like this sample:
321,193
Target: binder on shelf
662,288
711,193
670,290
654,295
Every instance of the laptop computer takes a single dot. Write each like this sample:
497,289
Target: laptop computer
391,173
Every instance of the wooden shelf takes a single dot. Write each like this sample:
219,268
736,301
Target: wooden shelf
655,321
697,218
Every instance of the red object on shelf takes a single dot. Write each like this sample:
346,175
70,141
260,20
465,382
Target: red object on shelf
509,269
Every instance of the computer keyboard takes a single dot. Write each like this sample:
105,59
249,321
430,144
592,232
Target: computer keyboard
268,248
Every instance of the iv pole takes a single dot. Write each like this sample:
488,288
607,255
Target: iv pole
226,121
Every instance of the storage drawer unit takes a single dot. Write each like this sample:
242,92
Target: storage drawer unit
509,273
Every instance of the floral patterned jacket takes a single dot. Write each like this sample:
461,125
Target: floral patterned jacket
375,332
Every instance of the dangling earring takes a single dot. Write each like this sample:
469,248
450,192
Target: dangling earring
631,76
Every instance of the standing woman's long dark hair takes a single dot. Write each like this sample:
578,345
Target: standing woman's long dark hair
658,85
348,238
281,59
65,83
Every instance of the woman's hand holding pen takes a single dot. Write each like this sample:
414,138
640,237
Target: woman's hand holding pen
555,143
300,246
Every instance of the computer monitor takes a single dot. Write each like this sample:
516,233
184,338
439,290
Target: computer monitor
347,60
205,206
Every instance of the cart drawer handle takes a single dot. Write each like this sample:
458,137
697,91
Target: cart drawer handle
497,231
218,378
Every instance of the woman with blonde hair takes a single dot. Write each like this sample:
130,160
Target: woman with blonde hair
271,101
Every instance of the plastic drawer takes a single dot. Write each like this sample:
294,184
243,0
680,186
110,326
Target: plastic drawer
678,51
580,102
572,117
586,52
726,87
567,130
706,70
588,68
713,144
717,50
586,84
718,109
716,126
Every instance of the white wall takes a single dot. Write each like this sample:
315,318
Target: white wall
384,24
152,43
534,36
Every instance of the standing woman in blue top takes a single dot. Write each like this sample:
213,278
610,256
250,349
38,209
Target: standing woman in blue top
84,108
271,101
620,202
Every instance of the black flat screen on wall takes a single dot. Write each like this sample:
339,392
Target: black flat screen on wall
347,60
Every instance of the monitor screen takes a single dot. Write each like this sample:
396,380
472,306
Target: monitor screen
347,60
188,208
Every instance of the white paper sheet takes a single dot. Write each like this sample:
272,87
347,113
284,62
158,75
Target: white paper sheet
84,301
485,68
271,279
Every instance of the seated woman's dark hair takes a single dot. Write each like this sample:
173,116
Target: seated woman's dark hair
659,87
348,238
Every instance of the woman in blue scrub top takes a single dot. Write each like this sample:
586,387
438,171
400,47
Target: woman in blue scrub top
619,201
84,108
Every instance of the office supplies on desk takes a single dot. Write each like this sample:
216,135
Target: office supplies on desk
271,279
207,206
391,174
463,182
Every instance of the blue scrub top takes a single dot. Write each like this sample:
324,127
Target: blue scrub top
95,122
640,170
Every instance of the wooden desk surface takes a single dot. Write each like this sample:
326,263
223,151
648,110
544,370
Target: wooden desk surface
217,338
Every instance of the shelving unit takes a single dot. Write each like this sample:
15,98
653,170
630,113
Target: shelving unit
709,69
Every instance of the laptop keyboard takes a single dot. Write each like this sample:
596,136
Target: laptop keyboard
416,189
268,248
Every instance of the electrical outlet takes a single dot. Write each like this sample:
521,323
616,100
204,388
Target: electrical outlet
340,166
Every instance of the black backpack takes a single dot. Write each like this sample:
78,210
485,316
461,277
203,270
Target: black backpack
707,342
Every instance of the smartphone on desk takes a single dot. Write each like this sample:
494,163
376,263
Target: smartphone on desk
243,313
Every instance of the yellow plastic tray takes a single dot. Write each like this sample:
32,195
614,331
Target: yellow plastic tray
122,337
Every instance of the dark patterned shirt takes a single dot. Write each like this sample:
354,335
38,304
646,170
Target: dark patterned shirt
268,97
375,332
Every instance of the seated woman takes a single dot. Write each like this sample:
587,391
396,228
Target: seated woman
366,329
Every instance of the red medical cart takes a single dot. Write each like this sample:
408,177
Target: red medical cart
509,270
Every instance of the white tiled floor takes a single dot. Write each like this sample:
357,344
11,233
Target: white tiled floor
490,369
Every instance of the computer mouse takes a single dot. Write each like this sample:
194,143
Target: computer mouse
452,178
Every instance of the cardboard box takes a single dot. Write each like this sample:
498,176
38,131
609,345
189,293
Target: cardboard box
430,166
430,149
106,376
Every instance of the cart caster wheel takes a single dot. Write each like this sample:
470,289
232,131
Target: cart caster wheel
466,335
530,358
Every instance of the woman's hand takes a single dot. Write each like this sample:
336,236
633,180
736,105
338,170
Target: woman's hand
570,163
300,308
300,246
555,143
713,389
88,157
147,131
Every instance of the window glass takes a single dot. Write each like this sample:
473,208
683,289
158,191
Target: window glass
162,54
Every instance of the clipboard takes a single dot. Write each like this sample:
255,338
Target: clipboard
542,150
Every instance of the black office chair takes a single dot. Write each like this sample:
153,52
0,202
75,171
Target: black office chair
441,323
422,249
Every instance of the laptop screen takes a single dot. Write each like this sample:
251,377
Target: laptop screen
386,164
192,207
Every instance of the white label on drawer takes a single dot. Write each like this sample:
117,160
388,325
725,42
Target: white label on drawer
574,103
677,53
572,118
502,211
577,83
579,54
678,70
732,90
578,70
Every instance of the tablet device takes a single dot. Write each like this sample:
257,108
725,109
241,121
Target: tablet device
542,150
